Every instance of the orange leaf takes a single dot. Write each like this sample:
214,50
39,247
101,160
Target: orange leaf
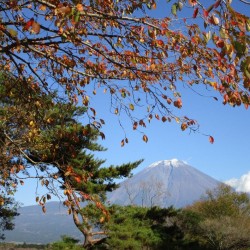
44,209
183,126
42,7
160,43
211,139
78,179
36,28
145,138
192,2
79,7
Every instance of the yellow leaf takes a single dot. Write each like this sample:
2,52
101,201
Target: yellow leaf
32,123
13,32
131,106
102,219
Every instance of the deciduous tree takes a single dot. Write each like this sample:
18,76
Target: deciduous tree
224,221
87,47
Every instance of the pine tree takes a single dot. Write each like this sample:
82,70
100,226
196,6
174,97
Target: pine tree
49,138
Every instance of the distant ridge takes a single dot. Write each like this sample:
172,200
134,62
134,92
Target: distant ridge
164,183
34,226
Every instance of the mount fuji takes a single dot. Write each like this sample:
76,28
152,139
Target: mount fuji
164,183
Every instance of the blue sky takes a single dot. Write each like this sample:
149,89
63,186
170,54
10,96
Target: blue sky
227,158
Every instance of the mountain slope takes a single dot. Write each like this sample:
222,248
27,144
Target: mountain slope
164,183
34,226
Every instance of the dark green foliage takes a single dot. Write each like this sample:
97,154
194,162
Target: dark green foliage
67,243
8,210
133,227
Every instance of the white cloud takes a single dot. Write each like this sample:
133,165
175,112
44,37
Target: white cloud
242,184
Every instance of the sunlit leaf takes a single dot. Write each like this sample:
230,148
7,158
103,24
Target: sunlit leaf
183,126
13,32
79,7
145,138
192,2
174,9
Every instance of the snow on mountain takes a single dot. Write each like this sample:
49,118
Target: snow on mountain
164,183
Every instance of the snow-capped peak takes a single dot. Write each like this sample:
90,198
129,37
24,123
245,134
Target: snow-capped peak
173,163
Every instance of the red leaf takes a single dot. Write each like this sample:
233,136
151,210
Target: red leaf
220,43
28,24
216,5
160,43
211,139
195,12
205,13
